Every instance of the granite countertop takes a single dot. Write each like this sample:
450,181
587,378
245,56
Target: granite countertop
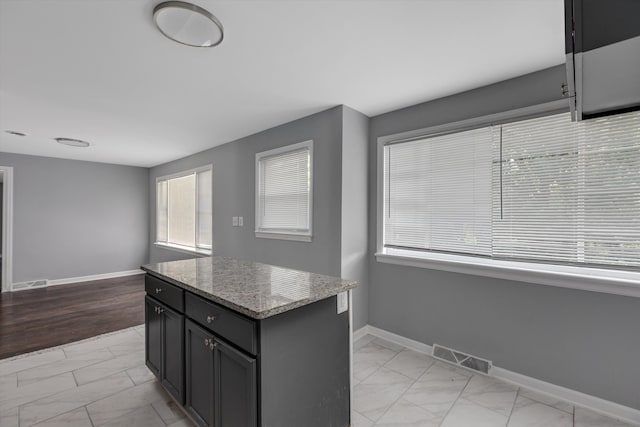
251,288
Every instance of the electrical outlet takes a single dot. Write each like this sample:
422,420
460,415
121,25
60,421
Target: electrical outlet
240,221
235,221
343,302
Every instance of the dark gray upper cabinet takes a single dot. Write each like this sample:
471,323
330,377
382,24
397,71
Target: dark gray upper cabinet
602,43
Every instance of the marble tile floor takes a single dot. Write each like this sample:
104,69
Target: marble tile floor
103,382
397,387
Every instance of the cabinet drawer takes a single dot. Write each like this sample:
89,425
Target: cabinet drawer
227,324
169,294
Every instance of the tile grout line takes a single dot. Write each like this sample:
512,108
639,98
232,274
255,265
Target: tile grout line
513,407
455,401
83,406
399,397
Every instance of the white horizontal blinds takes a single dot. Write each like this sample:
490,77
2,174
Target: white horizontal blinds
205,214
570,191
284,191
161,207
181,212
437,193
536,190
611,192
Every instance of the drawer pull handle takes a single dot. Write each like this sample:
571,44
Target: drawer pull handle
158,290
210,343
211,319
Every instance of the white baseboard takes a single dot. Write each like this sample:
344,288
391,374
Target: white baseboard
89,278
593,403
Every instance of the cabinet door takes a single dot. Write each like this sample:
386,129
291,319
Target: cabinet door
235,386
200,397
153,336
173,352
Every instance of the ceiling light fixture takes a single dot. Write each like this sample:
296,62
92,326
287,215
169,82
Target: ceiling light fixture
16,133
72,142
188,24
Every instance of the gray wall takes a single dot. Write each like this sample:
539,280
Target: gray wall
234,195
1,217
354,239
74,218
581,340
339,243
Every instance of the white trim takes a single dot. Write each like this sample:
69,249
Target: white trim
400,340
615,282
596,404
360,333
283,236
7,228
183,249
89,278
280,234
184,173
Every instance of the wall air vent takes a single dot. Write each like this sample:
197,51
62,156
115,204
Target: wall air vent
30,285
459,358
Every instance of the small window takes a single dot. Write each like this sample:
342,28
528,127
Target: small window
284,192
184,210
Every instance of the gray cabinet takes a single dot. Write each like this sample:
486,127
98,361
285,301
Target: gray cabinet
220,381
164,349
199,374
235,378
287,370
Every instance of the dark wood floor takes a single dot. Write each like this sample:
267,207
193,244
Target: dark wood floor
40,318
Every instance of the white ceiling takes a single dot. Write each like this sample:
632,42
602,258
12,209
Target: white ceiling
99,70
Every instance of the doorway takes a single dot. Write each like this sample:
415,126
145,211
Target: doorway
6,226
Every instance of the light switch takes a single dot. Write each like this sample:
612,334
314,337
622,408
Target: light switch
240,221
235,221
343,302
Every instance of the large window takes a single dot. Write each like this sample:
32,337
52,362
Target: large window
284,192
184,210
544,190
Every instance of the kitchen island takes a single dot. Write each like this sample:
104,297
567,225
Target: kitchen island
239,343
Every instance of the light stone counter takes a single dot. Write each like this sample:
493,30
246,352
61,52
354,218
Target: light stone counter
254,289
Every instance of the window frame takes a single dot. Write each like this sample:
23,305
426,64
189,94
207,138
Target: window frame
173,246
613,281
279,234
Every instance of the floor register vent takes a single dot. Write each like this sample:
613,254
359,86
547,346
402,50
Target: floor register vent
461,359
30,285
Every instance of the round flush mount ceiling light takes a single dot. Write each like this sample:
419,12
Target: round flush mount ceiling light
72,142
16,133
188,24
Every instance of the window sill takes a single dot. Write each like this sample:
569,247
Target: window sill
183,249
588,279
284,236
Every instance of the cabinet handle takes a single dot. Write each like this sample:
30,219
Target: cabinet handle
158,290
211,319
210,343
156,308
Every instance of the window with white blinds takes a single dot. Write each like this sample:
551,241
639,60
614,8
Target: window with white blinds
184,210
544,190
284,192
438,193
